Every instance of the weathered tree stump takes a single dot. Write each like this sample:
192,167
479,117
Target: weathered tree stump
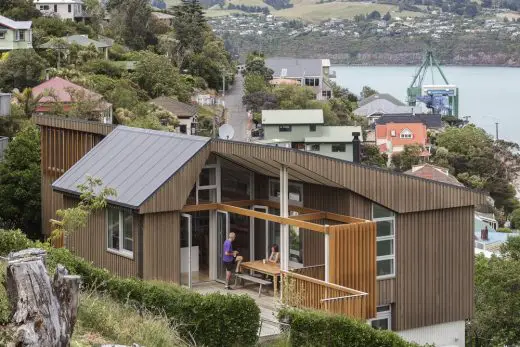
43,313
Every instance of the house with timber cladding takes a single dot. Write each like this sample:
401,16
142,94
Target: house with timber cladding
392,249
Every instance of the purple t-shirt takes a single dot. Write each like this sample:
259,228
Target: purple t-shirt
227,248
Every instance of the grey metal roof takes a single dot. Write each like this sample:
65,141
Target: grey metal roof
384,96
81,40
281,117
294,68
135,162
12,24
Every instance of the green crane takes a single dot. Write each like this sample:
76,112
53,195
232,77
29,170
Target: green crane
415,88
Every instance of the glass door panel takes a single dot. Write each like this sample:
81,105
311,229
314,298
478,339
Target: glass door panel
222,235
261,228
274,229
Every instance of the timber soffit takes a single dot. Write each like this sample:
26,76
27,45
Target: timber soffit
74,124
398,192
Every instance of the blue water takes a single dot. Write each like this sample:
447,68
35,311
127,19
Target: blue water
487,94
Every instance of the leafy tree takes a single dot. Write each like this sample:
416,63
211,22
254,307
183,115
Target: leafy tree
515,219
27,100
158,119
410,156
367,91
23,68
374,15
497,298
103,67
387,17
84,105
255,64
373,157
254,83
190,25
258,101
19,9
130,22
20,183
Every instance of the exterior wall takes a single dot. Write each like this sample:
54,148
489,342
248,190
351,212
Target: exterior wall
91,243
161,247
297,133
434,267
441,335
9,42
60,149
62,9
326,149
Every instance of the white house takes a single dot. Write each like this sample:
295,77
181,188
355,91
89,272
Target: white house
64,9
14,34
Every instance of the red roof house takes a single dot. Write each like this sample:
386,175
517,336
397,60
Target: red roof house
392,137
59,90
435,173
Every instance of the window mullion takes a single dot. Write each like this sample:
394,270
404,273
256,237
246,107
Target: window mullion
121,232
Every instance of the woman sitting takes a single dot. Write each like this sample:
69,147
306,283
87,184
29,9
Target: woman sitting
275,254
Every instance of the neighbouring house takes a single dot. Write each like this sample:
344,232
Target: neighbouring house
102,46
377,105
435,173
64,9
4,141
379,242
58,92
393,132
186,114
164,18
305,130
15,34
314,73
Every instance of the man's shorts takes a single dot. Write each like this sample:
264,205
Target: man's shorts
229,266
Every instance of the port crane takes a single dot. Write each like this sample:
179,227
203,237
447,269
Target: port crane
441,98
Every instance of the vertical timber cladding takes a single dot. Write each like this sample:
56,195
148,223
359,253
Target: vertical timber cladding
353,259
434,264
161,246
60,149
91,243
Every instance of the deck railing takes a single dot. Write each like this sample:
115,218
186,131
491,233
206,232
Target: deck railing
315,271
307,292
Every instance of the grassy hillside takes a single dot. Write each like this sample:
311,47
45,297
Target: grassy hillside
312,10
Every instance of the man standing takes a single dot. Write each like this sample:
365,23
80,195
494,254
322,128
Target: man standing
229,258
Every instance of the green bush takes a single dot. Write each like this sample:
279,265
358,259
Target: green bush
211,320
312,328
504,230
515,218
12,241
103,67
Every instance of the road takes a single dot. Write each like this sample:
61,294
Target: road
236,112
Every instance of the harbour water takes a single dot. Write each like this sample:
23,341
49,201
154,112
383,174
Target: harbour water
487,94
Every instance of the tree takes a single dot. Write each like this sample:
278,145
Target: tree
387,17
258,101
27,100
410,156
20,183
23,68
19,9
130,22
515,219
255,64
84,105
374,15
471,10
190,25
254,83
373,157
367,91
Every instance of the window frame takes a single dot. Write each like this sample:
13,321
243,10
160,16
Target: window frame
285,128
121,250
69,8
312,128
386,238
2,35
382,315
277,198
314,147
406,134
344,145
20,35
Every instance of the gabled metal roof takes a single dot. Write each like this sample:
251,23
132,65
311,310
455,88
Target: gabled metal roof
135,162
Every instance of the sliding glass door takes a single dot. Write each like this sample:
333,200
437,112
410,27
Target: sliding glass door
222,235
187,250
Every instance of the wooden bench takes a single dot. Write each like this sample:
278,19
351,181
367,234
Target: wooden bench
249,278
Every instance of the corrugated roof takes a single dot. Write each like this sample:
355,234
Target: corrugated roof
135,162
434,173
12,24
292,117
176,107
335,134
294,68
81,40
378,96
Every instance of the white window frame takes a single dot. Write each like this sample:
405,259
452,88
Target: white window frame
344,149
121,251
2,35
214,187
406,134
386,238
386,314
277,198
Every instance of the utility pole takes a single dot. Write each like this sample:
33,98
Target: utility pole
223,83
496,129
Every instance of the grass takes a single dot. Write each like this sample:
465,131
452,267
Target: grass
102,320
311,10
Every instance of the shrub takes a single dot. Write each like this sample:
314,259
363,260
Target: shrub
312,328
103,67
211,320
515,218
504,230
13,241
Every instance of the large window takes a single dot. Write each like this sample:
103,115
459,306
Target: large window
383,320
295,192
312,127
20,35
339,147
285,128
120,232
385,220
236,182
406,134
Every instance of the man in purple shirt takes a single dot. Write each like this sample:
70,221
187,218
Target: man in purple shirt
230,257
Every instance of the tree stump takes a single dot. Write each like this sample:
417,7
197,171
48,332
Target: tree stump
43,313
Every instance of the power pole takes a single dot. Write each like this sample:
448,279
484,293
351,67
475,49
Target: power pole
223,83
496,129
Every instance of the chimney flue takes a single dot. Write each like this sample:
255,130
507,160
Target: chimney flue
356,147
